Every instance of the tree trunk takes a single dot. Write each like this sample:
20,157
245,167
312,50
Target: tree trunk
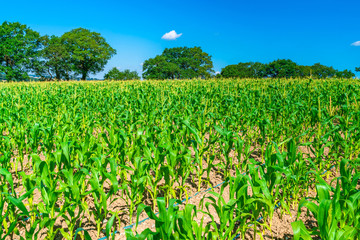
58,76
51,77
83,75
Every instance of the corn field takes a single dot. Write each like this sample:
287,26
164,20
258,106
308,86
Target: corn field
216,159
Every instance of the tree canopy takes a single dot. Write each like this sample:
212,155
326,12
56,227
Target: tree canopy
89,51
244,70
179,63
282,68
344,74
19,47
54,60
116,74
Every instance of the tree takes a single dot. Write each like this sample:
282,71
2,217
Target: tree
179,63
160,68
231,71
89,51
281,68
258,70
54,60
321,71
116,74
19,47
303,71
357,69
344,74
244,70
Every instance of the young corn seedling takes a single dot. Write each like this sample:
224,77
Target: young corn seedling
48,182
226,142
199,148
135,188
21,215
337,218
7,226
100,198
165,222
154,173
232,216
5,152
74,193
266,185
8,218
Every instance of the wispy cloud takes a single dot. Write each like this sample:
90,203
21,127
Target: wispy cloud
356,44
172,35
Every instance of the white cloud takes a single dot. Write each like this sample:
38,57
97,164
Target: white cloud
356,44
172,35
216,73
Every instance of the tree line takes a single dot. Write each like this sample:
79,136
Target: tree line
81,52
282,68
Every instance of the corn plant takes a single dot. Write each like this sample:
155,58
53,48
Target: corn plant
234,215
165,223
336,210
135,188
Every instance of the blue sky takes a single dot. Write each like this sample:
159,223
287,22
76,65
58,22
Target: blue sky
306,31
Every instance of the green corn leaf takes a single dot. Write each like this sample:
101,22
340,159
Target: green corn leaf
8,178
19,204
109,225
193,131
86,234
300,231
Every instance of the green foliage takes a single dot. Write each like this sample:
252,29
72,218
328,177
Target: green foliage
244,70
114,151
89,51
2,76
179,63
54,60
344,74
336,209
337,217
160,68
282,68
57,58
18,50
303,71
166,222
321,71
116,74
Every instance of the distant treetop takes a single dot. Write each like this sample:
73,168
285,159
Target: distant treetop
116,74
179,63
282,68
